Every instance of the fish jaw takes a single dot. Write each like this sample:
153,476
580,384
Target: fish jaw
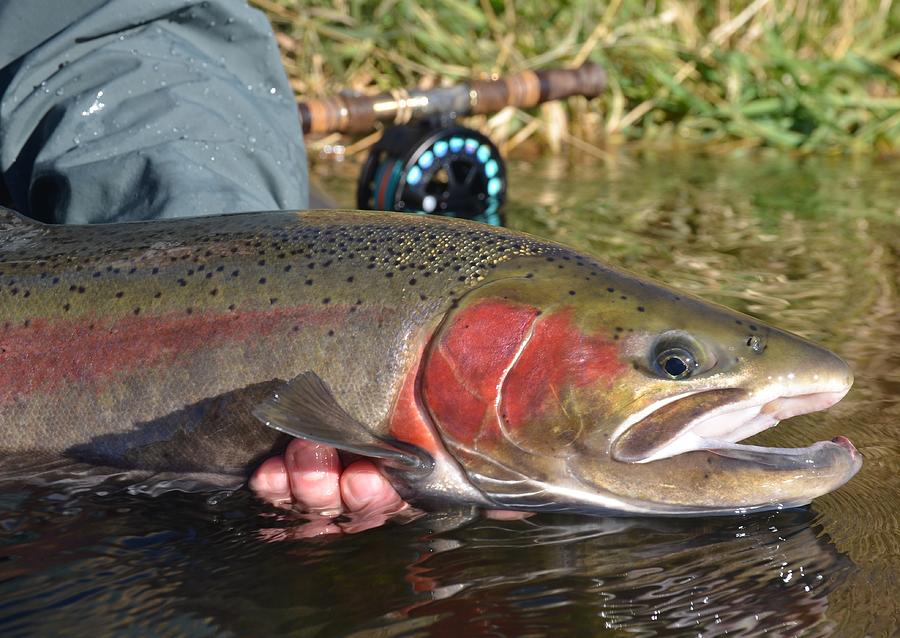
731,417
705,475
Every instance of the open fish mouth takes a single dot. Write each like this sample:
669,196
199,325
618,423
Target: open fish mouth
717,420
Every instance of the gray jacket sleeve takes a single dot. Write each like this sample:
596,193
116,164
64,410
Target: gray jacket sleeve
134,109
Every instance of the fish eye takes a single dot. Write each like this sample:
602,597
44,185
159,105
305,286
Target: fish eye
676,363
677,355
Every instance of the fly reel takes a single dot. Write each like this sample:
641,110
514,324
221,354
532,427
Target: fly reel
425,167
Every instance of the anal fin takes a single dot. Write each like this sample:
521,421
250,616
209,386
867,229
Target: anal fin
306,409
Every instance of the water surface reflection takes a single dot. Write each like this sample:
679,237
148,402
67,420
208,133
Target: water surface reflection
180,562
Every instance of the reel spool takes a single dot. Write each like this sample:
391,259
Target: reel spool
440,170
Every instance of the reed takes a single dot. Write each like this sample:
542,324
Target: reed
808,75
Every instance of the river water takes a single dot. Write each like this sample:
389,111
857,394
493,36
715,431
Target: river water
811,245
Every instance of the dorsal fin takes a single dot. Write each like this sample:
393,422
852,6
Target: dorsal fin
13,223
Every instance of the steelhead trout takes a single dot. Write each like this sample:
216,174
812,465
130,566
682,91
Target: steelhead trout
477,365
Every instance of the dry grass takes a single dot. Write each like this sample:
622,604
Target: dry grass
799,74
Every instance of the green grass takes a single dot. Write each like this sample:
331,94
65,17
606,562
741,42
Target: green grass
809,75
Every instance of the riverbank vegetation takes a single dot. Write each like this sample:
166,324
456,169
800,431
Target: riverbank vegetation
813,76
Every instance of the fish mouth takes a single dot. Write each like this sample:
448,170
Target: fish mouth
717,420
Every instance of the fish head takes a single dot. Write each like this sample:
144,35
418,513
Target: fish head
560,384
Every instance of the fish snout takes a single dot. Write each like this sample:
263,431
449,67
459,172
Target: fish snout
803,374
837,375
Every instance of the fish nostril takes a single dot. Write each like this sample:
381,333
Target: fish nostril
756,343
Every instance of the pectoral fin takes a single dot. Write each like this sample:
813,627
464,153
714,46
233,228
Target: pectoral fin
305,408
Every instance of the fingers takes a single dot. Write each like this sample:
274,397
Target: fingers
270,481
309,477
363,487
371,500
313,471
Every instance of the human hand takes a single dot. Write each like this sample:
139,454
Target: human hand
310,476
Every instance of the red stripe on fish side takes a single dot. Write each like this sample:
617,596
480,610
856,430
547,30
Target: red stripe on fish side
558,356
47,355
463,373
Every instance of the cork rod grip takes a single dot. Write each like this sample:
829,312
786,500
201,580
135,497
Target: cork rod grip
359,114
